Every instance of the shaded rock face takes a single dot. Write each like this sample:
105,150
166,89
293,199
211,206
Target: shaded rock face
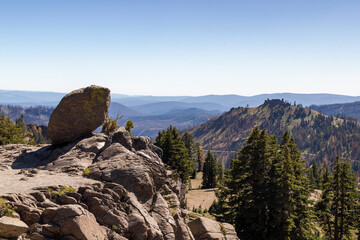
72,221
136,196
78,114
205,228
12,227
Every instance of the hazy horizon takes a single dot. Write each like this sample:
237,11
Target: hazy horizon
210,94
182,48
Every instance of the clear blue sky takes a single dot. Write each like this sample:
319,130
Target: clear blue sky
181,47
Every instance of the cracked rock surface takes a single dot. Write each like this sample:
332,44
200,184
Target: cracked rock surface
127,192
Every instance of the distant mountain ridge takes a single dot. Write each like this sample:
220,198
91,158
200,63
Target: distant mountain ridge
318,136
38,115
33,98
148,125
233,100
160,108
346,109
181,118
151,114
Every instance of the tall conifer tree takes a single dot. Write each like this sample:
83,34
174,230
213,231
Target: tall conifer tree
337,209
209,171
175,154
265,193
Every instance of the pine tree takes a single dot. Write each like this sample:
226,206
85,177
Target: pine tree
20,122
175,153
299,197
337,209
128,126
323,209
199,157
315,175
9,132
344,192
265,193
190,145
209,171
325,175
220,172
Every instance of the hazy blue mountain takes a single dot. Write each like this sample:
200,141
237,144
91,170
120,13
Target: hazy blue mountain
33,98
159,108
142,100
192,111
346,109
230,101
117,108
181,118
118,96
257,100
29,97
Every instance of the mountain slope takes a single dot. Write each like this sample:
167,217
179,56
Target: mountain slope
347,109
180,118
117,108
164,107
319,137
38,115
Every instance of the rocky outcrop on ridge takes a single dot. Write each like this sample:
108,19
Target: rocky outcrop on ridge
135,197
120,188
78,114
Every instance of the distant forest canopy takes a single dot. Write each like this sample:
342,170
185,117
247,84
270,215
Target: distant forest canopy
19,132
38,115
340,109
319,137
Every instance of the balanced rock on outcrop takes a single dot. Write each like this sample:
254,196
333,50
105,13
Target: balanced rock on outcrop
78,114
127,192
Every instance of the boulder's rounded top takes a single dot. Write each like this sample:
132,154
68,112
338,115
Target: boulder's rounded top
78,114
88,89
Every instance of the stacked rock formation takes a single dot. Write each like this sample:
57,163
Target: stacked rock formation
136,196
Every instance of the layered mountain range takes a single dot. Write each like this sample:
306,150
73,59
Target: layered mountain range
151,114
318,136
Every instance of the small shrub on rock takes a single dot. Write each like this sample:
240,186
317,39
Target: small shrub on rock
86,172
5,208
62,190
110,125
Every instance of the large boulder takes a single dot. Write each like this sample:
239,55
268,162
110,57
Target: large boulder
74,223
78,114
12,227
205,228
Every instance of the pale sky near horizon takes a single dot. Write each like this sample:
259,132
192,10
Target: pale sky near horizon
187,47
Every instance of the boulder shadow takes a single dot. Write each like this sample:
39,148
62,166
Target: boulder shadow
42,156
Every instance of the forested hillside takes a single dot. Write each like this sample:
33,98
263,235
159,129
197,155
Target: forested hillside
318,136
38,115
341,109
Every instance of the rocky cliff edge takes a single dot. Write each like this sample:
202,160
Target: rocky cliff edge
98,187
